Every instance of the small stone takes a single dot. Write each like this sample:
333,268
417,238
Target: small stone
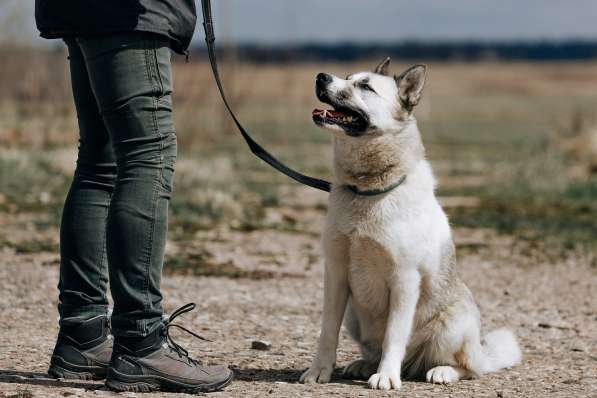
560,326
261,345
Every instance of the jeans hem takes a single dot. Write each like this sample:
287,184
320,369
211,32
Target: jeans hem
134,328
71,314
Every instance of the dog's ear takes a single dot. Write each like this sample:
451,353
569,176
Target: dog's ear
410,85
383,67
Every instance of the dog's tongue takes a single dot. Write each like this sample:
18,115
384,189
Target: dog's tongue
327,113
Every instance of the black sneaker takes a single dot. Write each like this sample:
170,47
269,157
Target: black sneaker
160,364
82,351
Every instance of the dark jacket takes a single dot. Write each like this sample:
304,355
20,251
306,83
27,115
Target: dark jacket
172,18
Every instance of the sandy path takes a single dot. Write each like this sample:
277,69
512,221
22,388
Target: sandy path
552,307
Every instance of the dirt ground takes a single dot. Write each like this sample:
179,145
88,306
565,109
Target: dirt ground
550,304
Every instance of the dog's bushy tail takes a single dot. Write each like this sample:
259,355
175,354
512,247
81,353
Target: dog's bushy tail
499,350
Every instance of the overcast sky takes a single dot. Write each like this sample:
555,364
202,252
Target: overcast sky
282,21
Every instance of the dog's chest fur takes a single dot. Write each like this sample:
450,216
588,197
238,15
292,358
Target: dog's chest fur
382,235
388,233
370,265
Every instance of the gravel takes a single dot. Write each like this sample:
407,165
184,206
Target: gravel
549,303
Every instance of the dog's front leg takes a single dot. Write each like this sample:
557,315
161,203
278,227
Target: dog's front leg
404,294
335,296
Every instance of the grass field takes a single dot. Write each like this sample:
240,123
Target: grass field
514,146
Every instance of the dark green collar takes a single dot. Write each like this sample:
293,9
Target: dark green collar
375,192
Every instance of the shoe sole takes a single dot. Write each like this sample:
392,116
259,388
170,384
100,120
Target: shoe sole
129,383
75,372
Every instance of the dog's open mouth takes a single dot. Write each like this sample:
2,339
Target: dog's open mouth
346,118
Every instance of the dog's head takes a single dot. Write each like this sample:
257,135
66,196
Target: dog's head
367,102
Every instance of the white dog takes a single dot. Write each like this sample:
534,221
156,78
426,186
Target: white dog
390,262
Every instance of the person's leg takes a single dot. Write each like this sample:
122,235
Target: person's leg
83,266
82,349
130,77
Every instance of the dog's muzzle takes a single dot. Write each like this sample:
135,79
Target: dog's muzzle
323,79
321,83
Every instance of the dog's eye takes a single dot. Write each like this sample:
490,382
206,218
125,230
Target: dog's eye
367,87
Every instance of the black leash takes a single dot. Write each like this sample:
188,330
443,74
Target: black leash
254,146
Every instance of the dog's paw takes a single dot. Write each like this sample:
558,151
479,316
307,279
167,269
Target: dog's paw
361,369
385,381
442,375
317,374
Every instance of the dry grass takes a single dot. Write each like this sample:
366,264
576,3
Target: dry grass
36,104
517,139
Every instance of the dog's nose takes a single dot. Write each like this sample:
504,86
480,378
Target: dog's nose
323,78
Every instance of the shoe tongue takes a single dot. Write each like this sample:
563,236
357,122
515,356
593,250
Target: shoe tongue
184,356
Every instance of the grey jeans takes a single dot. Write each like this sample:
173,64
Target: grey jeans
115,216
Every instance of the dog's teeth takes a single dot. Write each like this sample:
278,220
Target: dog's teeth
325,113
